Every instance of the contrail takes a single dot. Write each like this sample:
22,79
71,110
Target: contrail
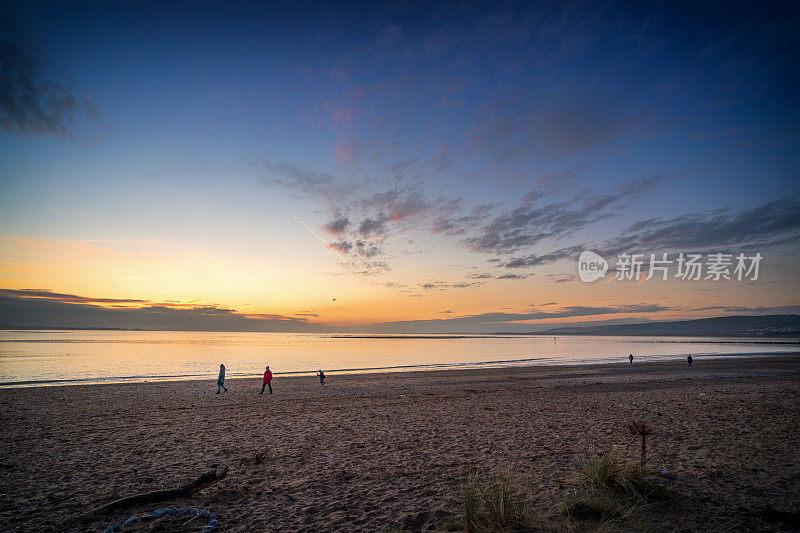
326,243
409,264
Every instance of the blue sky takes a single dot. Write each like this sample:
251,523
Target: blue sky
450,140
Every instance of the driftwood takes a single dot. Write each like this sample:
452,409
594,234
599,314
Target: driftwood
205,479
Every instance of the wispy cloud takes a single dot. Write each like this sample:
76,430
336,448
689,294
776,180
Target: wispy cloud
441,285
771,224
764,227
561,278
337,226
513,276
35,97
533,221
364,213
534,260
66,298
502,320
38,307
321,185
556,124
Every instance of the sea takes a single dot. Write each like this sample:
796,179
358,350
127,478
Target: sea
68,357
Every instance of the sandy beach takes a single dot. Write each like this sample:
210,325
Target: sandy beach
391,452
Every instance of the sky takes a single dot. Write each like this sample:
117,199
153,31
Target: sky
393,166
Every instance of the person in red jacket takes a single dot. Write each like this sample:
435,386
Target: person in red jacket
267,381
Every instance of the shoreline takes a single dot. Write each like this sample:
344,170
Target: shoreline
396,369
381,451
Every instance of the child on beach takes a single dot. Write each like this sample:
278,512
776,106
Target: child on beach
221,379
689,359
321,377
630,358
267,380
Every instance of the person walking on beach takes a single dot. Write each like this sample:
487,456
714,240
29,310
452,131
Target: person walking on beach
630,358
221,379
689,359
267,380
321,375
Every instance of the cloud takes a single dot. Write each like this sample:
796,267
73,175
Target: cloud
367,210
510,114
531,223
367,268
535,260
367,250
530,124
363,251
758,310
341,247
772,224
65,298
45,308
484,275
561,278
371,227
441,285
769,225
554,181
397,204
344,199
320,185
448,223
341,115
486,322
36,98
514,276
337,226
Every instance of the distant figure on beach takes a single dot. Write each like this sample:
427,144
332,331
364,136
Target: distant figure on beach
221,379
630,358
689,359
321,375
267,380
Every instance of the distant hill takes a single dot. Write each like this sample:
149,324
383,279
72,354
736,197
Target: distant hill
9,326
787,326
728,326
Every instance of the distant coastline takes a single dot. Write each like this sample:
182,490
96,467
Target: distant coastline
767,326
45,328
744,339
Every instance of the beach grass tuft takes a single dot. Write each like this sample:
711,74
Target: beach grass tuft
502,502
610,472
493,504
471,507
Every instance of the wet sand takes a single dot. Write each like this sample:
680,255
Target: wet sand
374,452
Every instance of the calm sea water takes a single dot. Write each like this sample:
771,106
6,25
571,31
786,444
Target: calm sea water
67,357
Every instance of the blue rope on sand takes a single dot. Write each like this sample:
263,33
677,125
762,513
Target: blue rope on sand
172,511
